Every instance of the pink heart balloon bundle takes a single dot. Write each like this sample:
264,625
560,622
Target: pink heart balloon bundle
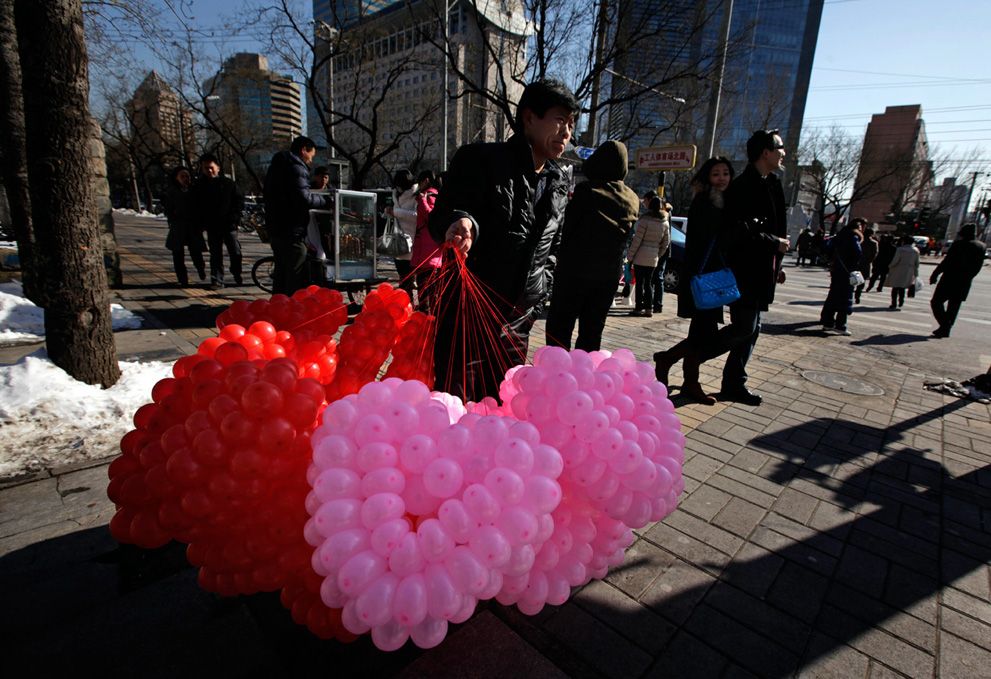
421,507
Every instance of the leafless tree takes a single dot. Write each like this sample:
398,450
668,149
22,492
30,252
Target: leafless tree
65,260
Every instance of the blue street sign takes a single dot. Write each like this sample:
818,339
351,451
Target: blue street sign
584,152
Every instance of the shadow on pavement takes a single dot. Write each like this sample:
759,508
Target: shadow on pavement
191,316
833,585
890,340
82,601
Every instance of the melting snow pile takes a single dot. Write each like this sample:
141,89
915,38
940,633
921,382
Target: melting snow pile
22,321
49,419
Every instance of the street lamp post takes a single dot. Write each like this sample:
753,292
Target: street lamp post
444,94
711,119
332,34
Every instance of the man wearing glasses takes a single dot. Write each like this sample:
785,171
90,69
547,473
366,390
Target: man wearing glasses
755,203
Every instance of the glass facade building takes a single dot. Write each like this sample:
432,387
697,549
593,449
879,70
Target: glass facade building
769,65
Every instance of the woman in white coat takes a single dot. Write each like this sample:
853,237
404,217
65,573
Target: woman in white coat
404,211
903,271
650,242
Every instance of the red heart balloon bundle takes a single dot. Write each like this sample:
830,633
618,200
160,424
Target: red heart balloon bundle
366,343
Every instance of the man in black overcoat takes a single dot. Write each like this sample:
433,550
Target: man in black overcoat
958,268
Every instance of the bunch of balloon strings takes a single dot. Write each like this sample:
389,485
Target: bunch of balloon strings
287,461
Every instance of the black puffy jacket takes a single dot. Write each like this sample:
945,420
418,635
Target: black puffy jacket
494,185
217,204
288,199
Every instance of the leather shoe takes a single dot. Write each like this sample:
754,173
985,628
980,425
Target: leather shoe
741,395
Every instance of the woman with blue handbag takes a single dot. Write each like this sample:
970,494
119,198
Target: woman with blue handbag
704,244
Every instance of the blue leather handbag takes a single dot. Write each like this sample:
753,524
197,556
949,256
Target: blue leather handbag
714,289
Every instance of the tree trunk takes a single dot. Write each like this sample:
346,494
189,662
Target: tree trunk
78,329
14,171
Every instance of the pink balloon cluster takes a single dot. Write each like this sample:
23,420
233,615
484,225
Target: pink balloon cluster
421,507
419,510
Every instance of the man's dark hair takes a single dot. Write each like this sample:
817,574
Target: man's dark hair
858,220
209,158
321,170
542,95
760,141
968,231
300,143
650,194
429,175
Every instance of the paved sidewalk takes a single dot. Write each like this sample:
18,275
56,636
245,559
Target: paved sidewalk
825,533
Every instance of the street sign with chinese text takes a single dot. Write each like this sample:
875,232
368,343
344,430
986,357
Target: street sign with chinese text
664,158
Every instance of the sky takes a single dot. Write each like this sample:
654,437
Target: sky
870,54
877,53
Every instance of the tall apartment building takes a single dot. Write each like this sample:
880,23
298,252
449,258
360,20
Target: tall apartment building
766,82
260,107
387,75
895,174
162,128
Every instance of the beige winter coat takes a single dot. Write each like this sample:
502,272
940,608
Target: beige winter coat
904,267
650,241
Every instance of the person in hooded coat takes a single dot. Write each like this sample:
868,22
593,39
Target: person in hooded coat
597,222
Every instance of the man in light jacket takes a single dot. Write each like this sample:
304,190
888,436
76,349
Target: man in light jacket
288,201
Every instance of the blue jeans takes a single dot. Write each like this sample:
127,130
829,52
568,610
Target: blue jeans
738,338
662,266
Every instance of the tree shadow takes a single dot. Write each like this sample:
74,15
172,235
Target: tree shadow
890,340
814,328
190,316
912,530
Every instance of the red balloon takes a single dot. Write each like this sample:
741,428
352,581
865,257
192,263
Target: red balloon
262,400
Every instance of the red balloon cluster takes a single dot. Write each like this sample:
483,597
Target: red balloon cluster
366,344
219,459
308,313
413,353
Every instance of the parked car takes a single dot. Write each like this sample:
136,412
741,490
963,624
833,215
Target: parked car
672,274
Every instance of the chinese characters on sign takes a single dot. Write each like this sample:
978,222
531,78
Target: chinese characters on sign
663,158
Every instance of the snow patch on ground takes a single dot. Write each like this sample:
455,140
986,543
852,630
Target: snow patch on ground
22,321
138,213
49,419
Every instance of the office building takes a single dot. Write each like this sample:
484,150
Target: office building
384,89
161,127
260,108
766,82
895,174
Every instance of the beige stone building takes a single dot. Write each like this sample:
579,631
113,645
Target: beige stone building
161,127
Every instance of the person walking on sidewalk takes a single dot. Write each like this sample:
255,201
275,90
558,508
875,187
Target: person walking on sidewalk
868,253
501,206
178,205
903,271
879,271
845,252
426,255
217,205
288,201
756,207
598,219
705,251
404,212
650,243
958,268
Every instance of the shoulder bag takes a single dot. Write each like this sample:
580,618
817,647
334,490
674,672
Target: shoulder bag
714,289
393,242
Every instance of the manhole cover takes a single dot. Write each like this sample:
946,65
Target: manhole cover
845,383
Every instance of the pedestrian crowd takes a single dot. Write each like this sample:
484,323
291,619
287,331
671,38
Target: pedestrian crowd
509,210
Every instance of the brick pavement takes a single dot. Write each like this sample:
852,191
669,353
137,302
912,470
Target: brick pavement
821,534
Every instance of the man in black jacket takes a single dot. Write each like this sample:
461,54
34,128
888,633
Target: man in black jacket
217,206
961,264
756,205
288,201
502,207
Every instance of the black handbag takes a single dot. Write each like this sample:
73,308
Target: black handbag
393,242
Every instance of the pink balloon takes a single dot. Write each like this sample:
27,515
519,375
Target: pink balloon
443,600
409,605
387,535
416,453
376,455
380,508
505,485
374,605
430,632
383,480
491,546
443,478
359,571
435,542
407,558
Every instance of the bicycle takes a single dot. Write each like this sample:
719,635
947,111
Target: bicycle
263,268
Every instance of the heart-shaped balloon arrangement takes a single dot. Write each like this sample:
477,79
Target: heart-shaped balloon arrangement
393,509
